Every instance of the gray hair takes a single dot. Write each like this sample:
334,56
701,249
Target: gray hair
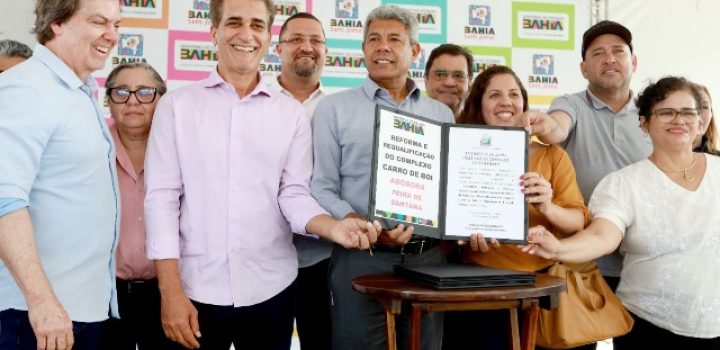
396,13
12,48
157,80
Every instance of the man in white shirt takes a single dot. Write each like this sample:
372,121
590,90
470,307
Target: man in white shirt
302,53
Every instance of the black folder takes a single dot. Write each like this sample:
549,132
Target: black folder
457,276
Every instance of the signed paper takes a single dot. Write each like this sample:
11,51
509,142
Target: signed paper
483,183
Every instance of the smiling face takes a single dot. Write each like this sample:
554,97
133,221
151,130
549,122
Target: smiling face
502,102
85,40
449,90
133,116
388,52
304,59
677,133
242,38
608,63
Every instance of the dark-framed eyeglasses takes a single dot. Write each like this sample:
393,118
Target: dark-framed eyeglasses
441,74
122,95
667,115
297,40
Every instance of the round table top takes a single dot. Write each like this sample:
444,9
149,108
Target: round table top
393,286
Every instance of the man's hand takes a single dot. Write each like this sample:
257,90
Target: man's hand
397,236
536,122
180,319
355,233
51,324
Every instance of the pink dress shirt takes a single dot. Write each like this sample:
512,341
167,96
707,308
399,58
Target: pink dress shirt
227,181
132,261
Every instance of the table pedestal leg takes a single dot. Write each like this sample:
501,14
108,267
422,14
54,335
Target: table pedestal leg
531,315
514,329
415,328
392,308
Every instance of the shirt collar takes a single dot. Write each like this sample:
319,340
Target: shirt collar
597,103
215,80
371,89
316,93
61,69
123,159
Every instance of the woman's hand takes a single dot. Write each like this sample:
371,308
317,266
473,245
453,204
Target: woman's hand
542,243
478,242
538,191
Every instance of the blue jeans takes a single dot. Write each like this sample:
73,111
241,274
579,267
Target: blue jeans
17,334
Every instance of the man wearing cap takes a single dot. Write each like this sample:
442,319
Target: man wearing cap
599,127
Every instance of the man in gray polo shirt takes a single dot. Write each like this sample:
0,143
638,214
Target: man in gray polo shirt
599,127
342,140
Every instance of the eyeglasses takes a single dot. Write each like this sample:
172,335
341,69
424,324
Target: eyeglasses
667,115
441,74
122,95
298,40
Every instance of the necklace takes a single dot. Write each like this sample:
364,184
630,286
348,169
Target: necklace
686,175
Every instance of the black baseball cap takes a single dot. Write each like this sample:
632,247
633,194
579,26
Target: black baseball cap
605,27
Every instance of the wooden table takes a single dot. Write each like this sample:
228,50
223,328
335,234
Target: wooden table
391,290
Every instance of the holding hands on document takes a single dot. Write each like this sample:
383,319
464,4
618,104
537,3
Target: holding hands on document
538,191
349,232
390,238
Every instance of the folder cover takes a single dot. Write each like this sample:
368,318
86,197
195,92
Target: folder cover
457,276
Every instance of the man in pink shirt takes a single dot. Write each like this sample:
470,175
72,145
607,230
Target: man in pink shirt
227,177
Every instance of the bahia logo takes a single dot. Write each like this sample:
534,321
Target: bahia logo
417,67
129,49
412,126
479,15
543,72
485,140
138,3
201,5
200,12
419,63
271,61
130,45
346,9
287,8
543,65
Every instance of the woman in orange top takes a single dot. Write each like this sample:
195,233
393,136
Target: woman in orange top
498,98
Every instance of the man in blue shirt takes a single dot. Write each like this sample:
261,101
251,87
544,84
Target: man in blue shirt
342,140
58,186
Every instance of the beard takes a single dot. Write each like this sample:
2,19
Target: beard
303,69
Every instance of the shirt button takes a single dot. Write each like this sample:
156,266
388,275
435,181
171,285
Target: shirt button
139,218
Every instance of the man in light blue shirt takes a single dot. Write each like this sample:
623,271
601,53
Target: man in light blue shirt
342,140
58,186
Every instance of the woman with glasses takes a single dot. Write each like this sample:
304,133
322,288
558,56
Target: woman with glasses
707,140
662,214
498,98
133,90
